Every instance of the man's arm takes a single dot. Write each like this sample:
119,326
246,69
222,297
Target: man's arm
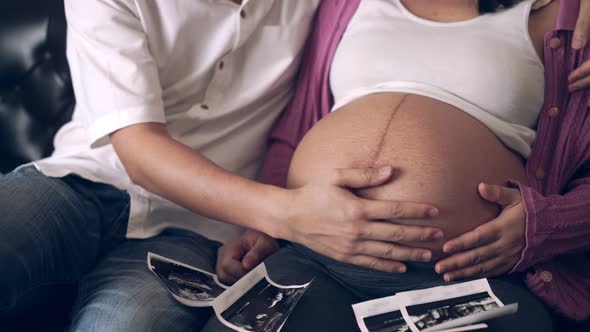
118,90
161,165
325,216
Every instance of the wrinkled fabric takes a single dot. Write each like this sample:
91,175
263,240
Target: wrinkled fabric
555,261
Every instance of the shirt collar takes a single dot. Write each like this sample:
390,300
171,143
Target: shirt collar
568,14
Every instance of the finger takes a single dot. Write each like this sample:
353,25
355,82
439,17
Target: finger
261,249
501,195
466,259
232,251
387,210
361,177
580,72
378,264
391,251
490,268
582,30
231,271
481,236
579,84
389,232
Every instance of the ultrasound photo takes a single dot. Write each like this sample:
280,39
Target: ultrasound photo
263,308
434,313
387,322
190,286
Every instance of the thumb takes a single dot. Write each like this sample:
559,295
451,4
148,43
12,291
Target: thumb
357,178
500,195
258,252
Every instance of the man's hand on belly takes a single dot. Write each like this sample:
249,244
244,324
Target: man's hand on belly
328,218
493,248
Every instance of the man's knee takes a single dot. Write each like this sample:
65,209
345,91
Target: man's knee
136,304
121,294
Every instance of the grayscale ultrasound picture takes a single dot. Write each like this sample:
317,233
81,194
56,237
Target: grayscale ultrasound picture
186,283
387,322
433,313
264,308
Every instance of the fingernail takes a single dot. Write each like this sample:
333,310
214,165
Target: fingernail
433,212
385,171
401,269
438,269
426,256
447,278
438,235
577,43
449,249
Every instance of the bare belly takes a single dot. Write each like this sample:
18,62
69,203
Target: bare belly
440,154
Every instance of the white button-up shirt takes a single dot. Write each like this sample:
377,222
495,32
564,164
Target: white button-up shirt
216,72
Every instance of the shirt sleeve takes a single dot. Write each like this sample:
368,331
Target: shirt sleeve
115,77
556,224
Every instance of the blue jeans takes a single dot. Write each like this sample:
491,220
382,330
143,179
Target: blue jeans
326,305
69,233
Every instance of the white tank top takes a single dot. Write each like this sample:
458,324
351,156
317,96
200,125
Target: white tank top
486,66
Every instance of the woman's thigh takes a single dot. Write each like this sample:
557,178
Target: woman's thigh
532,314
325,306
368,284
122,294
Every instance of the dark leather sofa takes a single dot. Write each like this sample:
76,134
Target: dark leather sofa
36,99
36,96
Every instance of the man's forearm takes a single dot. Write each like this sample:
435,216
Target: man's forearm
161,165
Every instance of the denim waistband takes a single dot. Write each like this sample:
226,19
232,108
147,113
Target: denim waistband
367,283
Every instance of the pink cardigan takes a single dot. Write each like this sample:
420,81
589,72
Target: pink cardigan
556,259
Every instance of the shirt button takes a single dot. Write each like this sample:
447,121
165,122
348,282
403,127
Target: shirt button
555,42
205,106
553,112
546,276
540,174
221,65
243,13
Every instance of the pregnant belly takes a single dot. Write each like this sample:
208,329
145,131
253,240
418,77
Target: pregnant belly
440,154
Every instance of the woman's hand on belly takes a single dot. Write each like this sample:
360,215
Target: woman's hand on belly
493,248
328,218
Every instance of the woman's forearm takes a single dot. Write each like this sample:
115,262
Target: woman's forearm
169,169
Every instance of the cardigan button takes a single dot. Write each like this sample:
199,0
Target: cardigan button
540,174
553,112
546,276
555,42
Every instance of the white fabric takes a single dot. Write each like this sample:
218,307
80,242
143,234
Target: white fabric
486,66
137,61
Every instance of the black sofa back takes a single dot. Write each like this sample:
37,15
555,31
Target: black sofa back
36,96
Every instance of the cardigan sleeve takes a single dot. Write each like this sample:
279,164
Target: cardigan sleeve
556,224
275,167
312,99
